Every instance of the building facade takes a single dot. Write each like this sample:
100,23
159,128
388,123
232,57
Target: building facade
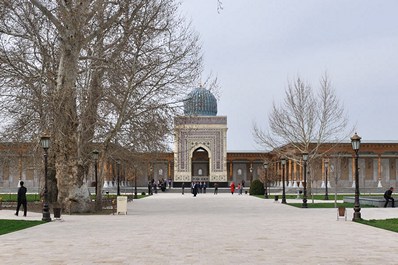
200,154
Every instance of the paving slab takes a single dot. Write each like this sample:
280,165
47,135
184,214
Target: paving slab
170,228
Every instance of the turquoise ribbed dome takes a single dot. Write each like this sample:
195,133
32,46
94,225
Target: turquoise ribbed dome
200,102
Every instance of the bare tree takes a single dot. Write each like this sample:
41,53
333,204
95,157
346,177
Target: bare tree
305,120
93,71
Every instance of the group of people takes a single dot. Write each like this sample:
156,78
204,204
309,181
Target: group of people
240,187
198,187
153,185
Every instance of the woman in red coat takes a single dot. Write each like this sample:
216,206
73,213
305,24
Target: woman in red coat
232,188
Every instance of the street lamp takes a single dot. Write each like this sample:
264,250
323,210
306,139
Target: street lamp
45,143
305,158
266,178
283,162
135,185
95,157
326,179
118,177
356,142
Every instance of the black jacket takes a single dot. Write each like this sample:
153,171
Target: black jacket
388,194
22,194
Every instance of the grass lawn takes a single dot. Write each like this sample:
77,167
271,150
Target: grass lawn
339,197
316,197
387,224
12,197
8,226
327,205
114,196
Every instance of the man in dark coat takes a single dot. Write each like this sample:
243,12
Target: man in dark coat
195,189
22,199
388,197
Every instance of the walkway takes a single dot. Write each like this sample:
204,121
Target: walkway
224,229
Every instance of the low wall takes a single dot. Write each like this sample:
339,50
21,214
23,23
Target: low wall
373,201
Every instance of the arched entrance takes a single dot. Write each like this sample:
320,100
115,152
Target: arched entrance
200,165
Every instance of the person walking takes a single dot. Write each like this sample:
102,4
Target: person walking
388,197
215,188
22,199
195,189
240,189
155,187
232,188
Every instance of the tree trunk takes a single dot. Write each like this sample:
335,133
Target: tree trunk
72,191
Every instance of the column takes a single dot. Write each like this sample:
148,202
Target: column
295,174
323,173
231,170
379,171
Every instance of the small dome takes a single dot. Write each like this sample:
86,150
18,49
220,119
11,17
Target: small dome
200,102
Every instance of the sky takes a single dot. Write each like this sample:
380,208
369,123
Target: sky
255,47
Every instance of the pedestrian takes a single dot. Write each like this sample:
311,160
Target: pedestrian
155,187
183,187
215,188
240,189
388,197
149,188
195,189
163,185
204,187
232,188
22,199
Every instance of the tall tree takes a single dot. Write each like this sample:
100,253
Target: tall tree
93,71
305,120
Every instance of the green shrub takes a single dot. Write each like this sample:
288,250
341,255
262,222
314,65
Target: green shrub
143,193
256,188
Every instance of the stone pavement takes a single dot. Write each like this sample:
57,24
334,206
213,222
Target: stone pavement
224,229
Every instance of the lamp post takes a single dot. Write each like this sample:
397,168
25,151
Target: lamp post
305,158
45,143
118,177
95,157
135,186
356,142
283,162
326,179
266,179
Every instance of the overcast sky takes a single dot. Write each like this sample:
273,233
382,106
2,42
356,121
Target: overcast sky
254,47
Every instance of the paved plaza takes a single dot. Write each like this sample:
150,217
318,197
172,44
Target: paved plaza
170,228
